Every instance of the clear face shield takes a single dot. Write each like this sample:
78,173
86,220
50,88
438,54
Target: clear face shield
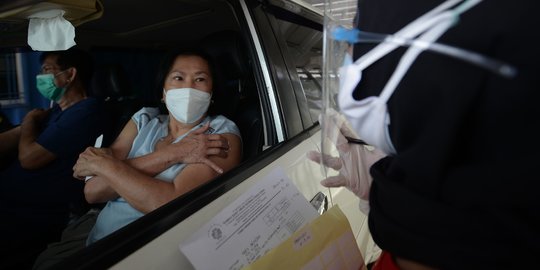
343,154
351,140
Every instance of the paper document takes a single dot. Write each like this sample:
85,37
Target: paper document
260,219
325,243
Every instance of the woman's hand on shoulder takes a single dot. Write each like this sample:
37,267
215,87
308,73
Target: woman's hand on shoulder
197,147
196,174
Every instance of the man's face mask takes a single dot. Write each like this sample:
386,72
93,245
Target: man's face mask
187,105
47,88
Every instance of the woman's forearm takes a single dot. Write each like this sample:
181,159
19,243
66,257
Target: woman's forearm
142,192
97,190
152,164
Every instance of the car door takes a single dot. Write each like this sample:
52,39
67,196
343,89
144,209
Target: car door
284,41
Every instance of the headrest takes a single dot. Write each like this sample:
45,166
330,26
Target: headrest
231,69
229,54
110,81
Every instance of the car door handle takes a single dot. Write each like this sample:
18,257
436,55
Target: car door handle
320,202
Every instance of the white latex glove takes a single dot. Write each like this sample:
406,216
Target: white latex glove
353,162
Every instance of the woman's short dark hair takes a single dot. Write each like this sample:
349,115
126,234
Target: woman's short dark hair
167,63
73,57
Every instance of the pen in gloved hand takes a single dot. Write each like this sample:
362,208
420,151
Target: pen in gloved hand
355,141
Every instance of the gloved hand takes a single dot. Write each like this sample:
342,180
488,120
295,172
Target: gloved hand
353,160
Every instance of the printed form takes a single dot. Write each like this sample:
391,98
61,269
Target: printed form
260,219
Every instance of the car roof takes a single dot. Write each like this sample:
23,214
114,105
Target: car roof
125,23
137,23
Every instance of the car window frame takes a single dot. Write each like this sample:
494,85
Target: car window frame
295,16
113,248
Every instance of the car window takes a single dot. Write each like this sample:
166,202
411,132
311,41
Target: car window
272,80
17,84
305,47
10,84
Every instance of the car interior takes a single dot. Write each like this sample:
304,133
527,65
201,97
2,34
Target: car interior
127,47
127,39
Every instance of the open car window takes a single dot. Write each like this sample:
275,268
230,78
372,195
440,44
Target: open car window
268,58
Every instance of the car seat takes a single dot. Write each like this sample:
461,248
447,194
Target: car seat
110,84
238,99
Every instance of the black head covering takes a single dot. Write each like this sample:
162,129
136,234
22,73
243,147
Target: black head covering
461,193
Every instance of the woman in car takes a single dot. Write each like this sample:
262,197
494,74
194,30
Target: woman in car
157,158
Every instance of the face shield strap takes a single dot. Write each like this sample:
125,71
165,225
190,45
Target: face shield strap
405,37
369,116
410,56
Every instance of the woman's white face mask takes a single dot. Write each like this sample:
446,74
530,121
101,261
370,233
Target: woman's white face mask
187,105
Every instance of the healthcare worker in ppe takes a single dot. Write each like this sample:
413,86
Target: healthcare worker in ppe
449,96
